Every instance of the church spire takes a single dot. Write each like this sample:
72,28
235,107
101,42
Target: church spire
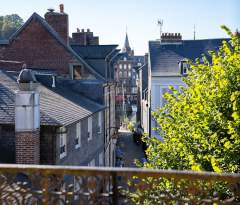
126,47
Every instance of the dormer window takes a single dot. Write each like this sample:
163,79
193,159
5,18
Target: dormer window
77,71
184,67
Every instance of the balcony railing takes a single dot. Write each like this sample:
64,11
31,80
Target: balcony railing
23,184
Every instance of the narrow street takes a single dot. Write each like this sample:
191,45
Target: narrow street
131,151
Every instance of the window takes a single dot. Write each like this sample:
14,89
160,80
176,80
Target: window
100,159
120,74
77,72
125,74
125,66
89,128
139,64
129,74
129,66
184,67
100,122
63,145
78,135
125,59
120,66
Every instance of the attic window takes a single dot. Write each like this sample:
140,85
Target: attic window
77,72
184,67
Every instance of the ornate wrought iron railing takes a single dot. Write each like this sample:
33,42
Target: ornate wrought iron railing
26,184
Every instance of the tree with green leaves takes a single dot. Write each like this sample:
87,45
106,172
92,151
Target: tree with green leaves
9,24
200,125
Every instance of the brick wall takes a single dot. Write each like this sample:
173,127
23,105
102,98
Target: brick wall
59,22
38,49
84,38
28,147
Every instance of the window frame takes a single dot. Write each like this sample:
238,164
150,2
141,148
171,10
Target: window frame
63,145
90,137
99,122
78,136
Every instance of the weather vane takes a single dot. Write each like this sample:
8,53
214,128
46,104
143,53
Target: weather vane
160,24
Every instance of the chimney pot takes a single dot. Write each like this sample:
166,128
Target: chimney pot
51,10
82,30
88,30
61,6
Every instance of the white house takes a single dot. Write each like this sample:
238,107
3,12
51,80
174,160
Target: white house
167,66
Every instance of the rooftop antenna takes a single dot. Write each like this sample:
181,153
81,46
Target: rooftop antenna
160,24
194,32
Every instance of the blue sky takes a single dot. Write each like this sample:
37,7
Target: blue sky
109,18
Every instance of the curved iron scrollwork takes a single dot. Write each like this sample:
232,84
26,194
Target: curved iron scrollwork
40,185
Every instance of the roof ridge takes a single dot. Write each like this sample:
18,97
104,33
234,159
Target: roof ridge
57,37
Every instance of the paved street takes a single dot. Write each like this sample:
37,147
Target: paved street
130,149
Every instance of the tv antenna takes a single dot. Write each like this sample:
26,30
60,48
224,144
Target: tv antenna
160,24
194,32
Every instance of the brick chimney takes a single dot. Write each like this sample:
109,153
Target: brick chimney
59,22
27,120
84,38
171,37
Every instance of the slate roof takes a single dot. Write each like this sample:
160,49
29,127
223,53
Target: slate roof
58,106
164,57
93,51
55,35
95,55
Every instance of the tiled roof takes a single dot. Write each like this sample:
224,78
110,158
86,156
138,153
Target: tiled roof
7,103
59,106
164,58
55,35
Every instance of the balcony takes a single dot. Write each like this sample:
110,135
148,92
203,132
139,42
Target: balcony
27,184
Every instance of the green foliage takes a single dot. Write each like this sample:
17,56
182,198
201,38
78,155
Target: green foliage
200,124
130,126
9,24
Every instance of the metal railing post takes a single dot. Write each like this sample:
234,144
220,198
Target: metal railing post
115,188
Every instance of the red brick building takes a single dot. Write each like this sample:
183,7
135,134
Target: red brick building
80,66
44,44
